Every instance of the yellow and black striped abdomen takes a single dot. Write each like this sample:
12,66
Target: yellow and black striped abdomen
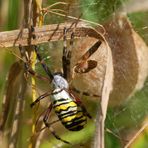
70,114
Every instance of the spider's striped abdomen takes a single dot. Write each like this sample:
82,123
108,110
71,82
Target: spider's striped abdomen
69,112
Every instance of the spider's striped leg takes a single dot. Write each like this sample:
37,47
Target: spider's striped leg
48,125
85,93
42,114
36,48
46,116
84,65
79,102
83,108
48,110
45,67
33,73
66,55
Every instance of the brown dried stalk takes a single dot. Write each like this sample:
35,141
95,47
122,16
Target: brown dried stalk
46,33
105,93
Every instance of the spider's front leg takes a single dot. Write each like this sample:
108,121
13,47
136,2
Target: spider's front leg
45,67
34,74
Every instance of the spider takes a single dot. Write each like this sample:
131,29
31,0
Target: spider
68,107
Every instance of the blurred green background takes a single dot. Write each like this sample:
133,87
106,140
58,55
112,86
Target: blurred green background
120,120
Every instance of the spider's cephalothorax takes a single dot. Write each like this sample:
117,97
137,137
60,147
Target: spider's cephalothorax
59,81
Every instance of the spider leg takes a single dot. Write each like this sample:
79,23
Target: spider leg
43,96
84,109
45,67
66,55
40,98
84,65
46,116
79,102
85,93
33,73
48,125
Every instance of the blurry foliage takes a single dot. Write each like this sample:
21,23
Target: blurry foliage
124,118
140,23
103,9
13,15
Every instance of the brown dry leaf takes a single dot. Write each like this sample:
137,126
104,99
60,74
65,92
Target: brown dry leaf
129,56
91,81
129,61
106,90
13,103
103,74
10,92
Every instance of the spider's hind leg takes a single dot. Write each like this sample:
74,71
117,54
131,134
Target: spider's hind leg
80,102
48,125
85,93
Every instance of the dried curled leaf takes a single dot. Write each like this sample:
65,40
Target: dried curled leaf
129,56
129,61
91,80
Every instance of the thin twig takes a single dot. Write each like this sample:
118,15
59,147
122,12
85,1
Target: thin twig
75,18
136,135
55,4
106,89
